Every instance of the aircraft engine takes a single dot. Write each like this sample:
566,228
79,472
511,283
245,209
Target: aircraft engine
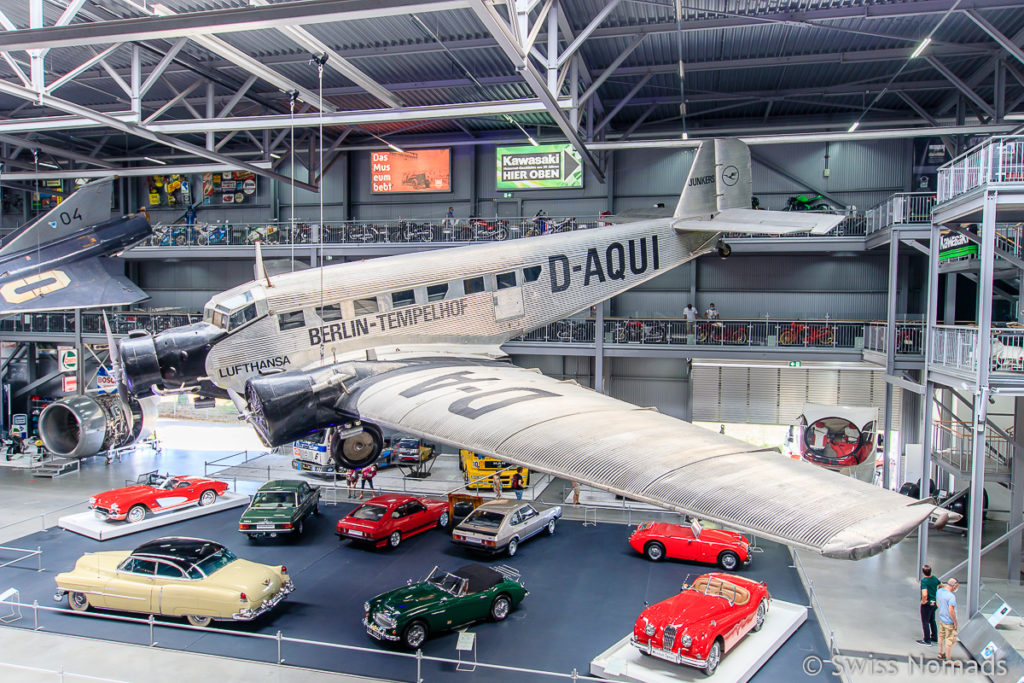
170,361
81,426
287,407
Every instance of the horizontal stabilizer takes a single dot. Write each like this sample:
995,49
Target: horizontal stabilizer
89,283
763,222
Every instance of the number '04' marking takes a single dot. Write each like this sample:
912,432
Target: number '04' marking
33,286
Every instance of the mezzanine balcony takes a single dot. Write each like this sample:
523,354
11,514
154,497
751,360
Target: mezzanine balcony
954,353
995,164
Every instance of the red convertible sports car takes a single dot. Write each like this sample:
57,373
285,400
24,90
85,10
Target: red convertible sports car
693,543
706,620
155,493
386,520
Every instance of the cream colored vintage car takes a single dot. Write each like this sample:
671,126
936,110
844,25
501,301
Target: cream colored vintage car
178,577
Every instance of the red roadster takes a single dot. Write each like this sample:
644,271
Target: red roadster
693,543
706,620
155,493
386,520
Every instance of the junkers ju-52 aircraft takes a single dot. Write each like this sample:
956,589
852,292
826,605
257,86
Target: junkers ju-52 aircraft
411,343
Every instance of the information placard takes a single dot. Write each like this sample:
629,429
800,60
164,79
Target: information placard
541,167
417,170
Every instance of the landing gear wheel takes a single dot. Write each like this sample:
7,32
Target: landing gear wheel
513,546
551,527
655,551
414,635
394,539
78,601
762,612
137,513
724,249
208,498
714,657
196,620
443,521
728,560
500,608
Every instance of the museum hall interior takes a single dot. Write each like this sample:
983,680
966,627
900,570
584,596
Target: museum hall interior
511,340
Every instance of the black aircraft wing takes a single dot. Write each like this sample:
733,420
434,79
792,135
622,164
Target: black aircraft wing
88,283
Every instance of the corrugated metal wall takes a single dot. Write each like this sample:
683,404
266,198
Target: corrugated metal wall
777,395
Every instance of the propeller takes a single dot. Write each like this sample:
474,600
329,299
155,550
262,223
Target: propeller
115,362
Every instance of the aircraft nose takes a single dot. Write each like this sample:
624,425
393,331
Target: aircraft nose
171,360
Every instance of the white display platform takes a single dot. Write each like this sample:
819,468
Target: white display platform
88,524
623,662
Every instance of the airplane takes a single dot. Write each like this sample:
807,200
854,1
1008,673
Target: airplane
62,260
411,343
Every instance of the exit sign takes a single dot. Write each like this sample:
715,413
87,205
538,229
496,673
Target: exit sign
507,195
794,363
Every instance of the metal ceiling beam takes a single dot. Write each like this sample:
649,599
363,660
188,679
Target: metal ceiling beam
180,97
194,24
610,69
996,35
961,86
497,27
622,103
87,64
582,36
352,118
56,151
979,75
918,109
162,65
125,172
142,132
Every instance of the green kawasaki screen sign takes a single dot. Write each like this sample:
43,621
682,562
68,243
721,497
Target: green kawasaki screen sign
538,168
954,245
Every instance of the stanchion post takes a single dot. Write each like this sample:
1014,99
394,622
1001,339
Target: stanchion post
151,619
419,666
279,660
35,615
39,558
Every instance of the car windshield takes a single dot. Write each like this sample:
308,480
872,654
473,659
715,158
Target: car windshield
449,583
214,562
371,513
151,479
169,483
273,498
408,443
485,518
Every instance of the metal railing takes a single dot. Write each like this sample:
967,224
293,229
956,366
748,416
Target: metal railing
909,338
92,323
996,161
902,208
956,347
826,629
763,332
957,446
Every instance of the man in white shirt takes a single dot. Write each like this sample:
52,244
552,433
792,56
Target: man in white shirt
690,315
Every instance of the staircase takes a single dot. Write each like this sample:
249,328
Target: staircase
55,467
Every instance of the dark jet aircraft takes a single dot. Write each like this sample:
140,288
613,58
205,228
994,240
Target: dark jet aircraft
62,260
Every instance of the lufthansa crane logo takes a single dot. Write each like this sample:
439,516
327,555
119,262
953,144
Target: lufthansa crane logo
730,175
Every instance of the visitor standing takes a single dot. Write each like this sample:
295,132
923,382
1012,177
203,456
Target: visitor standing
945,600
496,485
367,474
517,483
350,479
929,586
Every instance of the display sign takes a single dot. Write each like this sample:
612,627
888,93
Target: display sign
169,190
229,187
19,425
953,245
106,383
997,617
419,170
540,167
48,196
69,384
67,357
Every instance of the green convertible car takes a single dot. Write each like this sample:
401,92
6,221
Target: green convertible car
443,601
279,508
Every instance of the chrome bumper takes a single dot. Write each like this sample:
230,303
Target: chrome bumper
248,614
377,632
668,655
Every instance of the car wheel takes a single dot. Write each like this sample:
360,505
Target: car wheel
513,546
208,498
500,607
762,612
78,601
443,521
298,528
137,513
714,657
197,620
728,560
551,527
654,551
316,510
414,635
394,539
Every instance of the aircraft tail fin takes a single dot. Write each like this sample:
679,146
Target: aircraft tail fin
88,205
733,181
698,198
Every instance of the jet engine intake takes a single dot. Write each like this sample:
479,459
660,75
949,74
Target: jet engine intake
171,360
81,426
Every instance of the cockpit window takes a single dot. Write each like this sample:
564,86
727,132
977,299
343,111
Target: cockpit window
242,316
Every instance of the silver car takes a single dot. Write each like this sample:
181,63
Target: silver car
499,525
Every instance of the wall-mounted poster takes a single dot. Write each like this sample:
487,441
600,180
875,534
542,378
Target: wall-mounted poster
418,170
49,195
540,167
169,190
229,187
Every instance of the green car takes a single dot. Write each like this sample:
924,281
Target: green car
443,601
279,508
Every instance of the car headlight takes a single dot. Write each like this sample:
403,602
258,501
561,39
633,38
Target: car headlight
687,641
649,629
92,501
115,507
366,607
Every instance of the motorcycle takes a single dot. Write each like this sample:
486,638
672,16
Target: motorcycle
267,234
808,335
217,234
716,332
564,225
414,232
640,332
177,235
361,233
482,230
802,202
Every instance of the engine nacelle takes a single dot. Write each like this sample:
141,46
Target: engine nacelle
81,426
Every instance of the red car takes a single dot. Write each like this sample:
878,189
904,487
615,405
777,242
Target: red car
386,520
693,543
706,620
155,493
